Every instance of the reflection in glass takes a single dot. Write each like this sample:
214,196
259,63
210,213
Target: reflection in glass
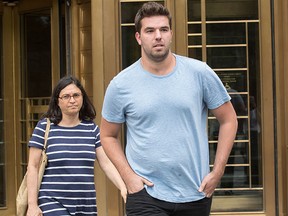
237,200
195,53
131,51
36,55
239,102
226,33
194,28
231,10
195,40
234,79
226,57
255,105
236,176
242,132
255,143
194,12
239,153
129,10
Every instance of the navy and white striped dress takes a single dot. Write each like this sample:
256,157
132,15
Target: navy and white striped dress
68,184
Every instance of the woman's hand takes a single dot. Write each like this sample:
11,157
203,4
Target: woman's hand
34,210
124,194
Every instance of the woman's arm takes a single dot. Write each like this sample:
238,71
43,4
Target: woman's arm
111,172
32,181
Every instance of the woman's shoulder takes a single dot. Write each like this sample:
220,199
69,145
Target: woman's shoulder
42,123
88,124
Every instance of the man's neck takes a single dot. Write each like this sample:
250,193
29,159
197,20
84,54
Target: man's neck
159,68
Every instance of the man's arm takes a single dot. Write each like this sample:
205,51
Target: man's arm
227,119
109,139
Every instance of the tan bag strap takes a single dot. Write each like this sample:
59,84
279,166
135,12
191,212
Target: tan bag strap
46,134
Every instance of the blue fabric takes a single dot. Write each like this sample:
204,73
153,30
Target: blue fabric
166,119
68,183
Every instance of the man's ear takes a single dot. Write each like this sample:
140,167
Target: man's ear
138,38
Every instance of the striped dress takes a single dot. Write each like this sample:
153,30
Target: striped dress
68,183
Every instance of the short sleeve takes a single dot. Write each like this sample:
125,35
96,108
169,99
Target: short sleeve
215,94
97,137
113,108
37,138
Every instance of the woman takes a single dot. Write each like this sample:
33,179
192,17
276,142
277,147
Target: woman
68,186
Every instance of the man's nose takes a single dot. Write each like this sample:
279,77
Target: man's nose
158,34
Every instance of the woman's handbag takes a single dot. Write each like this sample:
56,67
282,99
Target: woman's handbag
22,195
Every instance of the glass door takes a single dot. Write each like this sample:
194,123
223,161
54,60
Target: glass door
225,34
35,73
230,36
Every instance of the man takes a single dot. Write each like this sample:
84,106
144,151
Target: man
163,98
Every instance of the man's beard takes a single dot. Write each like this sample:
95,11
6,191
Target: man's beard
158,56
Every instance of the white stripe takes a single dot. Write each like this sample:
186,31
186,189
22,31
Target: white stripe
71,137
38,128
68,198
74,130
72,159
73,167
40,144
67,144
52,210
76,183
87,124
65,175
81,205
72,152
49,203
68,191
35,135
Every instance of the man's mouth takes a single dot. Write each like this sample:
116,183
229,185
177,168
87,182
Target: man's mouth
158,45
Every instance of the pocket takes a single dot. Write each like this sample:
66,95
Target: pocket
135,201
138,192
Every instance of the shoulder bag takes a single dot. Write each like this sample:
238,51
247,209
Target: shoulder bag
22,195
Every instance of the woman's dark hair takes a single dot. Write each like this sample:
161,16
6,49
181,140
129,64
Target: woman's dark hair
151,9
87,111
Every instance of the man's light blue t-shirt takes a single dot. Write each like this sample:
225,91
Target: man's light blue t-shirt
166,118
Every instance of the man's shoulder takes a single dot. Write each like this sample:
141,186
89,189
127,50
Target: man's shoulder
191,65
128,70
189,60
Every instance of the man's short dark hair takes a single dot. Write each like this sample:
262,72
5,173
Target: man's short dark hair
151,9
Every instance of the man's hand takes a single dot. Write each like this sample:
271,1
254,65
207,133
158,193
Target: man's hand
136,183
209,184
